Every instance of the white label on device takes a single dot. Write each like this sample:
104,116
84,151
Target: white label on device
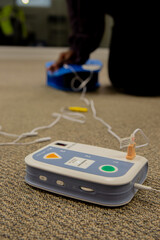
79,162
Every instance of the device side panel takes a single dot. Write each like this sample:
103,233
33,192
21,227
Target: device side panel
84,190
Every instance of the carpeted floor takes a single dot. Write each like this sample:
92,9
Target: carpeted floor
25,103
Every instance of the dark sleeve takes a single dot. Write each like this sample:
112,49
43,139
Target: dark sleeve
87,25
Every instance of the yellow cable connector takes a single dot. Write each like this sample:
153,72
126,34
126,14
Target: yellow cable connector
78,109
131,153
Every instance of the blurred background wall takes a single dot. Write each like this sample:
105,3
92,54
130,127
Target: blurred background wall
39,23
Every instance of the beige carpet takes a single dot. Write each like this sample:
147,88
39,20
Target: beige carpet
25,103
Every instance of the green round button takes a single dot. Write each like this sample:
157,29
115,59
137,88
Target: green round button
108,168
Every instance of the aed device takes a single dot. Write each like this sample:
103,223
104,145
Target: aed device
61,78
89,173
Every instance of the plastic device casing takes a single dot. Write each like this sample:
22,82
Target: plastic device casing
79,171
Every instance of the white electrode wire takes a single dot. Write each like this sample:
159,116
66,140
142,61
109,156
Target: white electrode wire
90,103
8,134
72,116
128,140
48,126
145,137
103,122
24,135
143,187
83,98
76,117
82,85
34,132
123,141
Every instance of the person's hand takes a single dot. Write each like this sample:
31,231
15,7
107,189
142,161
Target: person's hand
67,57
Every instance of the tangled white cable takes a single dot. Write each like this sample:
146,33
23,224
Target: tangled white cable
143,187
77,117
124,142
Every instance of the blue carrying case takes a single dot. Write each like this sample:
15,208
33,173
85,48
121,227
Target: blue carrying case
61,78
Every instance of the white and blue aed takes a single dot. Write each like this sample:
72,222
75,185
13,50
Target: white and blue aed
84,172
61,79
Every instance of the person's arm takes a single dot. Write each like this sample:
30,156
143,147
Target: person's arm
87,24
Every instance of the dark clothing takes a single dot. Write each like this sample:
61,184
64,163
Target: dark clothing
129,62
87,27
